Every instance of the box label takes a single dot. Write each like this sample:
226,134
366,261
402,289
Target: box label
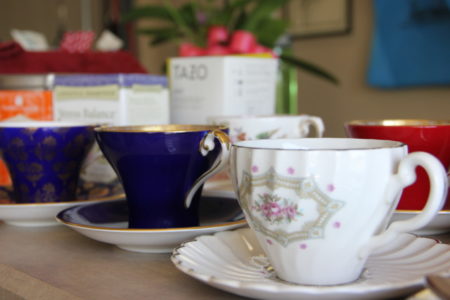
202,87
147,105
98,104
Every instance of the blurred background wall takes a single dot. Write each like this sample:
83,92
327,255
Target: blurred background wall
346,56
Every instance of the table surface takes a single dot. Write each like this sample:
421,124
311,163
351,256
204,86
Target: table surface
58,263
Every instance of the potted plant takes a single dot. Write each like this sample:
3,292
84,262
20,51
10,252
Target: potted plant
209,27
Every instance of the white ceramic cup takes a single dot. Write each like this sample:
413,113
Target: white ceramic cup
269,127
319,207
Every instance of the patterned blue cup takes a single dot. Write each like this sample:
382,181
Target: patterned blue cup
162,169
44,159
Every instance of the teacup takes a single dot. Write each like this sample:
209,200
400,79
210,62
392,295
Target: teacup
420,135
319,207
162,169
44,158
269,127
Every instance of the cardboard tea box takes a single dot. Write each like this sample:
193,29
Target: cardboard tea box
121,99
26,97
206,86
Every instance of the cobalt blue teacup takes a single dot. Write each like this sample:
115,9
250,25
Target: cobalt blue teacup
44,158
162,169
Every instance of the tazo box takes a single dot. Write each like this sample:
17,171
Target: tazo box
24,98
119,99
221,85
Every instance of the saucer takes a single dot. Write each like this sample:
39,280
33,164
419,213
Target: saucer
440,223
108,222
233,261
43,214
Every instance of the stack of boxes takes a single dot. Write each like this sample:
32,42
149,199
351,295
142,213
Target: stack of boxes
200,87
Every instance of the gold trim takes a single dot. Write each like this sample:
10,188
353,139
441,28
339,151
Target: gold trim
113,197
149,229
172,128
418,211
399,122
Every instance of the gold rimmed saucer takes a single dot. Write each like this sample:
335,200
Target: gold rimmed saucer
107,222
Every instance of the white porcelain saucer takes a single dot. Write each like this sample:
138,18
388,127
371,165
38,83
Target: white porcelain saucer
440,223
233,261
43,214
108,222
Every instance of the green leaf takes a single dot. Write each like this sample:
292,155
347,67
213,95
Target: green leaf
240,21
189,13
148,12
270,31
261,11
180,21
163,38
309,67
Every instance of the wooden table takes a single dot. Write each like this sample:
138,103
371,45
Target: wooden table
58,263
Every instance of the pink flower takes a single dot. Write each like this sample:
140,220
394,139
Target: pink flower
291,170
271,209
290,212
255,169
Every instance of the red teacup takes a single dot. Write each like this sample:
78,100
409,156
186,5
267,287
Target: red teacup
420,135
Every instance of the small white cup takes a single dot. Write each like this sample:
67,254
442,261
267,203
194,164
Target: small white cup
269,127
319,207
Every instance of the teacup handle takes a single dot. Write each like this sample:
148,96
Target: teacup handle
316,122
207,145
406,176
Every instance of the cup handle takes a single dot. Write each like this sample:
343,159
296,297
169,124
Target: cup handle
207,145
316,122
406,176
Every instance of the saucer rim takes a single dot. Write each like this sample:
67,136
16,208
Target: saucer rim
148,230
234,285
62,203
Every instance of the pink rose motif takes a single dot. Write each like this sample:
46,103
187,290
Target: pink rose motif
255,169
291,170
303,246
290,212
271,209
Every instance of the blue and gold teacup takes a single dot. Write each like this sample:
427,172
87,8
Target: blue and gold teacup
44,158
162,169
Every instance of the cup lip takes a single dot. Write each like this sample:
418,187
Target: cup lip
378,144
45,124
398,123
163,128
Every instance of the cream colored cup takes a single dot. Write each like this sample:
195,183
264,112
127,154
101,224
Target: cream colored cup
269,127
